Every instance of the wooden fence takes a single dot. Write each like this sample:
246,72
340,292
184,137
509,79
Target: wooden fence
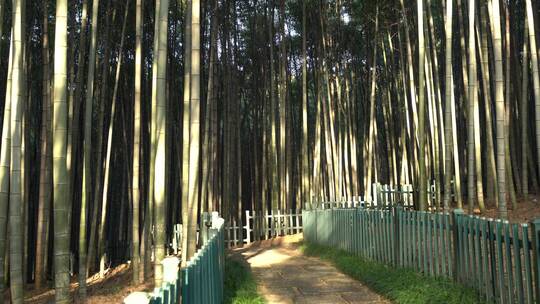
384,196
202,278
261,226
201,281
498,259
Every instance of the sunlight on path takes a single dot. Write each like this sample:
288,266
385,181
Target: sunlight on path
285,276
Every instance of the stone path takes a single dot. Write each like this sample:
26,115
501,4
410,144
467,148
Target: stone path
285,276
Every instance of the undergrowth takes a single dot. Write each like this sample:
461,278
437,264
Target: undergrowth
240,285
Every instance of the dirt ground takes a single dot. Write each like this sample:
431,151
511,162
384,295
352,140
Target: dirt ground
113,288
285,276
526,211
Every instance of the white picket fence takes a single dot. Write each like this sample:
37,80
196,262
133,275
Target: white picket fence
261,226
383,196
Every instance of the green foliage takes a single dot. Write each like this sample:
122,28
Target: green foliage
397,284
240,286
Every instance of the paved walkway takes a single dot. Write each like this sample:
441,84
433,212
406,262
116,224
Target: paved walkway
285,276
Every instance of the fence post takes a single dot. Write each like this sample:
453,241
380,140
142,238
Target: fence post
535,224
397,214
455,248
175,239
205,225
241,231
374,195
248,228
272,224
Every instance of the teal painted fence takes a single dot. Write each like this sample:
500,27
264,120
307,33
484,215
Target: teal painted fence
202,278
499,259
201,281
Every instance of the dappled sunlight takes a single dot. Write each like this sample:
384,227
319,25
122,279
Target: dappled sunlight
268,258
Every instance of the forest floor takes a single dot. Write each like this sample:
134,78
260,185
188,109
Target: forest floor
526,211
284,275
113,288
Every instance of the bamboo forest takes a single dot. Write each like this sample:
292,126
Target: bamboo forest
269,151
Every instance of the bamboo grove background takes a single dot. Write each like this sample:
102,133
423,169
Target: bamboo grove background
146,113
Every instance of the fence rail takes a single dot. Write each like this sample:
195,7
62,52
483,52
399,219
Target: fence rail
499,259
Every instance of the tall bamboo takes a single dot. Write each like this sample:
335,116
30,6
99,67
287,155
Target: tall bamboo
304,156
491,180
150,204
524,115
16,229
422,180
60,174
5,163
2,10
372,117
137,143
108,162
535,71
499,101
87,156
45,177
160,165
273,163
185,129
194,127
471,192
103,89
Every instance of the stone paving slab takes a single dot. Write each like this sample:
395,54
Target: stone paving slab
285,276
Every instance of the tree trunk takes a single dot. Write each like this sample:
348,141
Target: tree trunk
137,278
471,193
87,156
491,180
535,72
45,177
5,164
16,227
421,111
524,115
99,141
61,229
2,9
499,100
185,130
304,155
194,129
273,163
372,117
149,214
160,165
108,161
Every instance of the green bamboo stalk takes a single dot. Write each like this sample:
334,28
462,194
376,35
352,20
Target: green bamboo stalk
60,191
